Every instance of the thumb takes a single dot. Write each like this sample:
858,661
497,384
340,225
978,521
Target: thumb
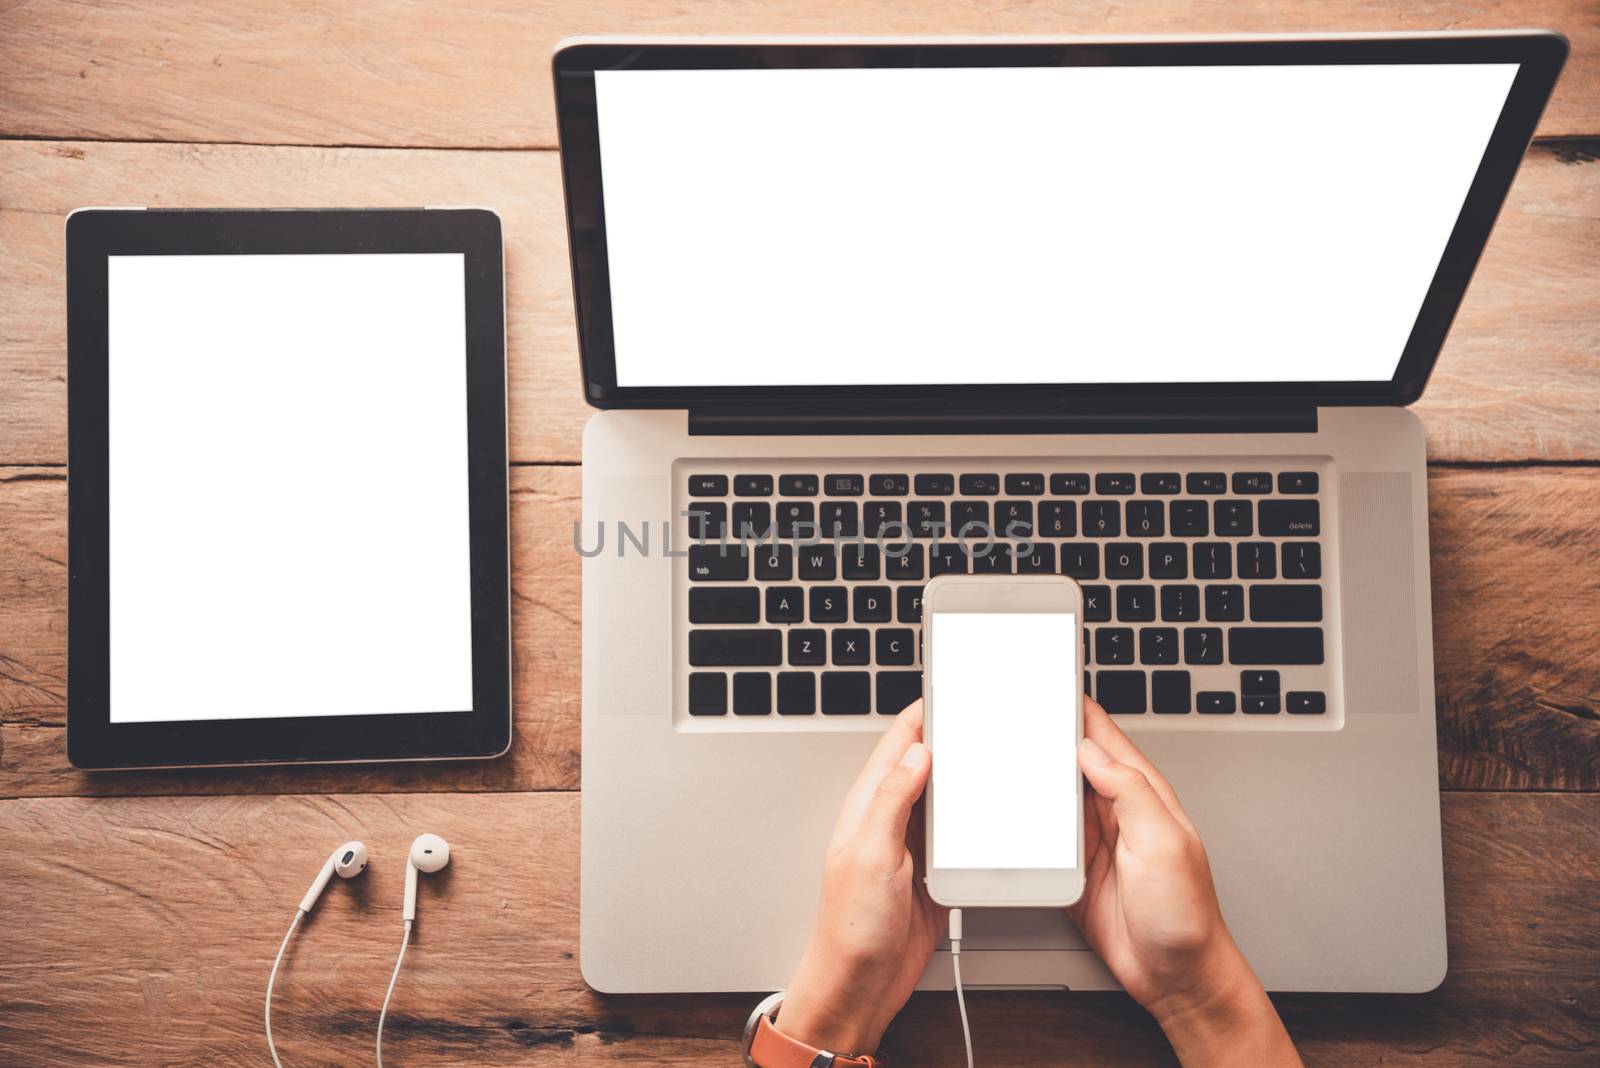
890,808
1143,818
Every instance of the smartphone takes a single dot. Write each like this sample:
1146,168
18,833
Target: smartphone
1003,714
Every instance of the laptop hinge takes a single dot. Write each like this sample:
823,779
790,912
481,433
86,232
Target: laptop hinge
932,417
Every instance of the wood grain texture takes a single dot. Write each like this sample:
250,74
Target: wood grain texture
1517,644
190,897
1519,377
411,72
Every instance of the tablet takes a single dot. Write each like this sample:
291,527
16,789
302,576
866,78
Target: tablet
286,487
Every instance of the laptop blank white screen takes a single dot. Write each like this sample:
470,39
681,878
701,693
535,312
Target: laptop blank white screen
1031,224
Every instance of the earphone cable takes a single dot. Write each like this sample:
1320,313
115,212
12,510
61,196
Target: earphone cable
272,979
384,1012
955,961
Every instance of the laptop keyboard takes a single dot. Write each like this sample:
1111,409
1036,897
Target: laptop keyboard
1204,587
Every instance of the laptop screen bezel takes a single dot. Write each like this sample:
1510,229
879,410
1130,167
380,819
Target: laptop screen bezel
1539,55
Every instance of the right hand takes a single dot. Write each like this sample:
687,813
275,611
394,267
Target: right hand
1150,910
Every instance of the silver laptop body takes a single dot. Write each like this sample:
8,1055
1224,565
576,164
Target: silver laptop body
1257,554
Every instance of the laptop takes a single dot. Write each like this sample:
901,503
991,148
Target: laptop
1146,312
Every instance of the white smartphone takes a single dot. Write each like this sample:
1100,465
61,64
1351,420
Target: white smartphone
1003,714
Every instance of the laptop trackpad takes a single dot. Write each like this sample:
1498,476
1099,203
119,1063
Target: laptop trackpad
1019,929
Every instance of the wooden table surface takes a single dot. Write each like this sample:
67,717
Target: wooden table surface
144,909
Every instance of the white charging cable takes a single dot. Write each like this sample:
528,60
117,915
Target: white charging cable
273,978
384,1012
955,961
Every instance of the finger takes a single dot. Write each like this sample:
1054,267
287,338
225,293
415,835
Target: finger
1110,737
889,809
892,745
1143,819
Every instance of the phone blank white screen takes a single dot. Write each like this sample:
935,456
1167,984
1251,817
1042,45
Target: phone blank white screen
1005,766
1031,224
288,486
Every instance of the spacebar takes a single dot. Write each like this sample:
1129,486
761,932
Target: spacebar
1275,645
735,648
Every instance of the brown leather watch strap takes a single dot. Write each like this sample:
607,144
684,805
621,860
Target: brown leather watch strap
771,1048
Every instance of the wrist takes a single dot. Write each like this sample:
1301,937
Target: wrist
827,1008
1223,1017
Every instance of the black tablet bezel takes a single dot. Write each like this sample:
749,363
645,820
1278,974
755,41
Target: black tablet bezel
93,741
1539,53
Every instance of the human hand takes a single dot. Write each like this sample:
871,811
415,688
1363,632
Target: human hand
1150,910
876,926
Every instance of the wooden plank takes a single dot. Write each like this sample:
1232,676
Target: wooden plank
407,73
193,895
1517,379
1517,646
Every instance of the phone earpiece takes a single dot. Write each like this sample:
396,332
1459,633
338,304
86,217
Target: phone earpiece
349,860
429,853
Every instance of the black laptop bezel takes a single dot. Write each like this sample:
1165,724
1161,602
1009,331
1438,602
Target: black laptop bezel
93,740
1540,55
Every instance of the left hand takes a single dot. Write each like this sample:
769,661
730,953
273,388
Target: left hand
876,926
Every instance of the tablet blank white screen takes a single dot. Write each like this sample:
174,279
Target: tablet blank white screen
1005,770
288,486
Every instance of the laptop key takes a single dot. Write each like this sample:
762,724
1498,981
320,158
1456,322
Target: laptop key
1169,692
896,646
797,693
1180,604
735,648
1013,519
1275,645
1039,560
1297,482
752,485
785,604
1080,561
1213,560
859,562
808,648
1252,482
896,690
1257,560
991,558
774,563
1025,485
980,485
904,562
908,604
1285,603
889,485
1057,519
752,693
872,604
795,517
707,519
708,485
926,518
724,604
708,693
846,693
1075,484
1158,645
1189,519
947,558
1136,604
844,485
1168,560
1124,560
1256,682
1160,483
1096,604
1207,482
1214,702
1302,560
797,485
1202,645
1306,703
828,604
850,647
1232,519
819,562
709,563
839,519
1146,519
1120,692
1101,519
1290,519
1260,704
876,516
752,519
935,485
1225,604
1113,645
1113,484
969,519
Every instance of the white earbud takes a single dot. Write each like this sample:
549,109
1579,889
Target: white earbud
429,853
349,860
